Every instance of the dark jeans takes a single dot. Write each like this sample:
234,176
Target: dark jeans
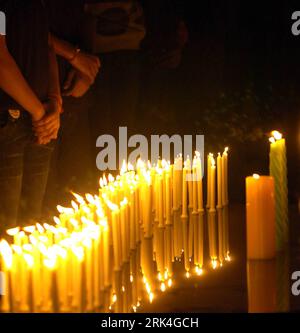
24,168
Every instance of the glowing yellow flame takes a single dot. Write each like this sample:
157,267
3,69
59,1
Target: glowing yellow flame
163,287
75,205
64,210
166,275
28,247
170,283
130,167
29,260
124,202
198,270
90,199
13,232
214,264
276,135
6,253
56,220
29,229
151,297
188,275
78,198
256,176
111,178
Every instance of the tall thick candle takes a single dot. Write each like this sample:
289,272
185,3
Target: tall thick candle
278,170
260,204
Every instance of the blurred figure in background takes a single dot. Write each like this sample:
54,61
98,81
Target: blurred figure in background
72,161
139,44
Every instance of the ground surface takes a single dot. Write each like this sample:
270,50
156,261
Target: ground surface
225,290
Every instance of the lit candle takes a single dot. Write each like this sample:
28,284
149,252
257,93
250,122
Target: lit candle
209,156
199,175
260,217
195,186
220,180
278,170
6,267
184,189
225,177
212,207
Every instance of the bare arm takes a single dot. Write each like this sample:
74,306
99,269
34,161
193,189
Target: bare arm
86,63
47,128
54,84
14,84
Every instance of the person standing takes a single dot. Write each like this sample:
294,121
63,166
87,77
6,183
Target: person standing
114,31
30,106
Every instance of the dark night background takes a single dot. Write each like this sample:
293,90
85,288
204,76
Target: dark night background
239,79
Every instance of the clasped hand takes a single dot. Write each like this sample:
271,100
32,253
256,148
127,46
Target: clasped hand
46,129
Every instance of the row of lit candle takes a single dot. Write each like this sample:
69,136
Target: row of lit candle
107,250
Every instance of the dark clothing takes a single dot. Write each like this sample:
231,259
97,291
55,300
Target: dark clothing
24,165
27,41
65,21
114,25
24,168
68,172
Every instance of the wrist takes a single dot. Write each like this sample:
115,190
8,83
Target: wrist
74,55
56,98
38,113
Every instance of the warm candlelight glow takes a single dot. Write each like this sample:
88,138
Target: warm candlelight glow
123,242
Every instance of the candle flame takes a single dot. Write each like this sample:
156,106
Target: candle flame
163,287
56,220
13,232
214,263
78,198
6,253
111,178
151,297
29,229
256,176
276,135
29,260
64,210
199,271
75,205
